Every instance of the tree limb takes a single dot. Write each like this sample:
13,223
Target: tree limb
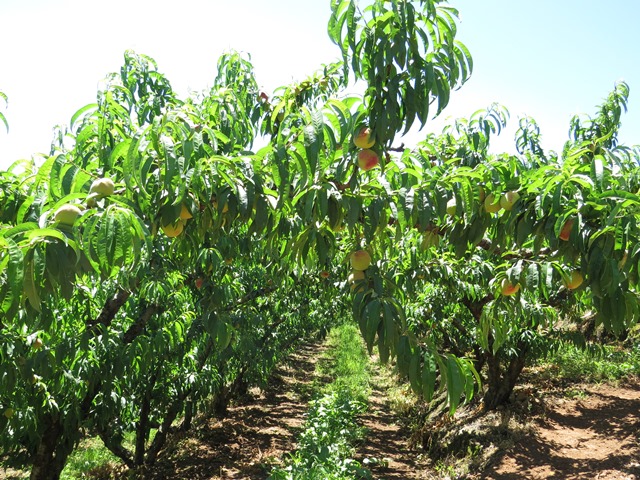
526,253
111,308
138,326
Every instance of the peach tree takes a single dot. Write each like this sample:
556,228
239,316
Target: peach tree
538,246
168,252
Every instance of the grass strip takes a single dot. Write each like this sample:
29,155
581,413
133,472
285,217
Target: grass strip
326,445
599,364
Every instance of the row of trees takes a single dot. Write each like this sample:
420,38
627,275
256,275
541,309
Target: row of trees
155,263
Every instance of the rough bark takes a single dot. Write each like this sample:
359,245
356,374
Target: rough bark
501,384
138,327
52,452
111,307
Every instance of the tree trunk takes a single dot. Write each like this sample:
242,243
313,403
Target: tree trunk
161,435
52,453
143,427
220,403
188,416
500,385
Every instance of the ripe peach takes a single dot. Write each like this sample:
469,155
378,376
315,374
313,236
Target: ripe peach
360,260
185,214
565,233
363,138
367,159
574,281
507,288
173,229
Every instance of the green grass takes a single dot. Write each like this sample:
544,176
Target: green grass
90,454
326,445
346,362
609,363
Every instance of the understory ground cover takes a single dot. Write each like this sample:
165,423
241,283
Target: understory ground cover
332,412
326,445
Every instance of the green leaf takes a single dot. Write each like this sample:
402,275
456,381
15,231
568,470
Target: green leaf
29,285
87,109
11,262
372,315
429,375
455,383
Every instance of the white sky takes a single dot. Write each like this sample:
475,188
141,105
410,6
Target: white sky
548,59
54,53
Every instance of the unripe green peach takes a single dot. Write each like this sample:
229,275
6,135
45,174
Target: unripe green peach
67,214
451,207
102,186
492,204
508,199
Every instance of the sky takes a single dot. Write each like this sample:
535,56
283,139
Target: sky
548,59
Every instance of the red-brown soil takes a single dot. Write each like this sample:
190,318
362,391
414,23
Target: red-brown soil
386,443
595,436
591,433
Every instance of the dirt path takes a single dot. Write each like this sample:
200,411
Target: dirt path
255,433
386,443
262,430
593,437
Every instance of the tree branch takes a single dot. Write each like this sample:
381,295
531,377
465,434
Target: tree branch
260,292
476,307
526,253
110,309
138,326
116,448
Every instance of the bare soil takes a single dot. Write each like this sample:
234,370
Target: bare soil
385,450
256,433
595,435
577,432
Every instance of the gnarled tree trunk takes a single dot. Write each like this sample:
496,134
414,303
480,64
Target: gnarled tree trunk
501,383
52,453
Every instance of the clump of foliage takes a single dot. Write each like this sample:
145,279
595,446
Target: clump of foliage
153,261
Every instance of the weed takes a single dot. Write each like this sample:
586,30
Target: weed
325,447
608,363
575,394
